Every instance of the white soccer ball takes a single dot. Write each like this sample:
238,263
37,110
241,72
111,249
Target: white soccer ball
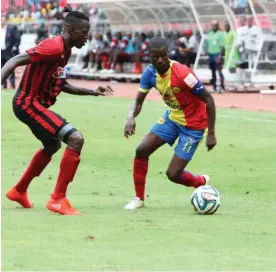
205,199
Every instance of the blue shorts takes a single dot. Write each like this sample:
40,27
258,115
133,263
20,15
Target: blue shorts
169,131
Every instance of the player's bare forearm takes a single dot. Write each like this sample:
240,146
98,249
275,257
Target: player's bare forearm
211,140
211,110
9,67
71,89
136,107
134,111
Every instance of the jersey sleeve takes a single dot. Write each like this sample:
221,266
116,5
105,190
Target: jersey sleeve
145,82
192,83
48,49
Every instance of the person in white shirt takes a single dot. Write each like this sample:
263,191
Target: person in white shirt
188,47
253,42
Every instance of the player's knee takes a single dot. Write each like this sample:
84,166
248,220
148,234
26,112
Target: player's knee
76,141
141,152
57,146
52,149
172,175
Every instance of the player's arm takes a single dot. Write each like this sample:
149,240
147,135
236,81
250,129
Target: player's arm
198,89
48,50
134,111
206,97
9,67
136,107
71,89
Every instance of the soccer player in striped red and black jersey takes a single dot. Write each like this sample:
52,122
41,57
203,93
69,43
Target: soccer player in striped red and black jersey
43,80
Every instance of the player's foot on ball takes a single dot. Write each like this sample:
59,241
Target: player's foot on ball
61,206
207,179
134,204
21,198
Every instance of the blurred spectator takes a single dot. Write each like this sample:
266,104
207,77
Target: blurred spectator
242,30
95,50
10,41
253,41
142,55
118,54
188,48
229,42
215,42
42,33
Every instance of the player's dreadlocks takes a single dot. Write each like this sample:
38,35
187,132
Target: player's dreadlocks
157,43
72,16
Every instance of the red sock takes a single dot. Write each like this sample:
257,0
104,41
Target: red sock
190,180
68,168
140,169
38,163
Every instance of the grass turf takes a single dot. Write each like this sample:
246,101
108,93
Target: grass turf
167,234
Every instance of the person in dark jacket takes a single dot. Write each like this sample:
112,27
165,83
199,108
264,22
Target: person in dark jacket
10,41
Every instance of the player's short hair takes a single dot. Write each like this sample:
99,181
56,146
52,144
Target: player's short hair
73,16
157,43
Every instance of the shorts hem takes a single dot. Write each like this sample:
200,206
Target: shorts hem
162,138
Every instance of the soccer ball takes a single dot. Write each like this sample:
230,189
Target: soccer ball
205,199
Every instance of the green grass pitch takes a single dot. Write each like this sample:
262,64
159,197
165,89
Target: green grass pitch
167,234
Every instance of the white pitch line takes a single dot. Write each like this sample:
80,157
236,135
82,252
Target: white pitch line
122,105
229,116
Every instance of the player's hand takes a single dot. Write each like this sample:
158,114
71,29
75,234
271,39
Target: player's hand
218,61
104,91
211,141
130,127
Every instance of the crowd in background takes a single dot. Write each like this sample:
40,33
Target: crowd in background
107,51
224,47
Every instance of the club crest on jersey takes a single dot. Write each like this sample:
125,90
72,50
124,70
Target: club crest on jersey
60,73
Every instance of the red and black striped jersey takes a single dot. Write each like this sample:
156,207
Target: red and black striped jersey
44,76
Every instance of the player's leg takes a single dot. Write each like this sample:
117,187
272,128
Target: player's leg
36,166
40,159
55,128
51,129
69,164
162,132
149,144
65,132
184,151
68,167
177,174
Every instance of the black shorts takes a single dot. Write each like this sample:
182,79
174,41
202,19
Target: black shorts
47,126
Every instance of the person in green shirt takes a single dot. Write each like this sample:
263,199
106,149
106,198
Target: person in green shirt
215,41
229,42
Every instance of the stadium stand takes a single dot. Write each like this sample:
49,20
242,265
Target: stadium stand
121,30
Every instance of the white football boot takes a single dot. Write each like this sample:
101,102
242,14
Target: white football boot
207,179
134,204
